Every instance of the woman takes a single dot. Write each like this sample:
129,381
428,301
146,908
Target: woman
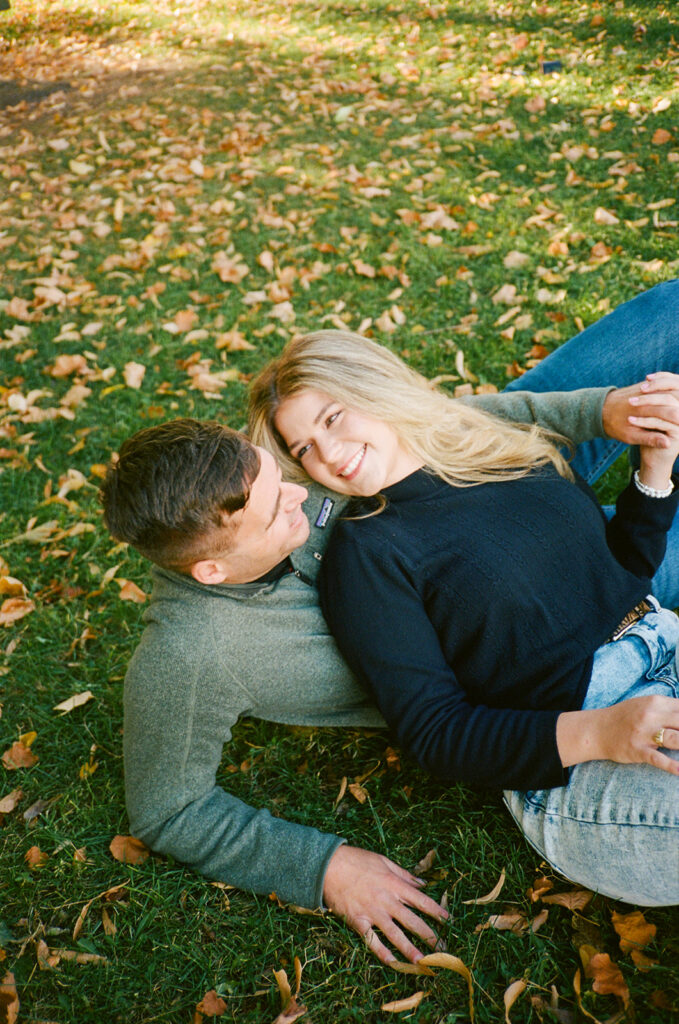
502,626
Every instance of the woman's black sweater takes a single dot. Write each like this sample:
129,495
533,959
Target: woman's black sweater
472,614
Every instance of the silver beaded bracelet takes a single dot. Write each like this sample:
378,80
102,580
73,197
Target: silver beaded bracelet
652,492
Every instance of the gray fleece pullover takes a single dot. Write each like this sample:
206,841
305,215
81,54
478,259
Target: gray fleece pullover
211,654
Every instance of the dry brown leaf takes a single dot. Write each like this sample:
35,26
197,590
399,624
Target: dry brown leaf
185,319
9,802
363,269
452,963
511,995
401,1005
65,365
9,1000
212,1004
608,979
229,269
342,790
514,258
76,701
35,858
493,894
79,958
602,216
576,899
133,374
426,863
634,930
15,608
660,137
515,922
19,755
129,850
46,962
358,792
129,591
233,341
541,885
404,967
12,587
539,920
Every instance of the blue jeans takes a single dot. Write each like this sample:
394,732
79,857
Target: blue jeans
615,827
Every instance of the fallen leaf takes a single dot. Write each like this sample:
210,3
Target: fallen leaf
515,922
129,850
36,809
576,899
401,1005
9,802
133,374
342,790
212,1004
426,863
233,341
19,755
493,894
602,216
608,979
660,137
363,269
539,920
514,258
511,995
634,930
9,1000
35,858
76,701
15,608
129,591
452,963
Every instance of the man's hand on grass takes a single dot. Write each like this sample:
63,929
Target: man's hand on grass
646,413
373,894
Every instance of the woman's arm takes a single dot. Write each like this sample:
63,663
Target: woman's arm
622,733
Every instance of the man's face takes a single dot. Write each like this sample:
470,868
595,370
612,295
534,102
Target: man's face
269,528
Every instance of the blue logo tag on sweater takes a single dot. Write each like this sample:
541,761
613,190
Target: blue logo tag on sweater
324,514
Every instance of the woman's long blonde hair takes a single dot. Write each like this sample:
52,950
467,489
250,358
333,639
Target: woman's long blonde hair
458,443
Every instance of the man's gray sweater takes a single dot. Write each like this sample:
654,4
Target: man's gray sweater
211,654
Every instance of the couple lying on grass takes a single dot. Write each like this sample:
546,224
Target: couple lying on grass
508,632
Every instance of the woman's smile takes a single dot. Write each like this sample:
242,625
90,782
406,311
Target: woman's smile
345,450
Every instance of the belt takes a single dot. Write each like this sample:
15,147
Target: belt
637,613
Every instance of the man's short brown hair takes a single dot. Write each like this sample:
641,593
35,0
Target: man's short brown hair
172,486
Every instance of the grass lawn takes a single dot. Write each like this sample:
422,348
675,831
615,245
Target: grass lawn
184,186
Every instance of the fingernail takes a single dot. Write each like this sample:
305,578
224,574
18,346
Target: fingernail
634,401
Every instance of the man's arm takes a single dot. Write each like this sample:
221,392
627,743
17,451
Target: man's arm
182,698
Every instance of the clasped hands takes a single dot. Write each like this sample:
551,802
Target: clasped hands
647,414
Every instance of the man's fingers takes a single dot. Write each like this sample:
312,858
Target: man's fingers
377,947
657,423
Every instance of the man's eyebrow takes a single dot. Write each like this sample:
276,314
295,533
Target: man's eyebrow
321,414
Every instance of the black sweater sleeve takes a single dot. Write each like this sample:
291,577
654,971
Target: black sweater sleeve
382,628
637,533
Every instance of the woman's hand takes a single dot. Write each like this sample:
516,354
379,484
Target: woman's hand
659,403
646,413
626,732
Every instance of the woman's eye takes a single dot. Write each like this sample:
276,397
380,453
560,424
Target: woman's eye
331,418
301,452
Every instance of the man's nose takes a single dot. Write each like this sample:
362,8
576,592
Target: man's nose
294,495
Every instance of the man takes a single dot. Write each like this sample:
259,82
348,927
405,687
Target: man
234,629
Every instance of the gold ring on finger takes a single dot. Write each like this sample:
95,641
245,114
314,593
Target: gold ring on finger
659,737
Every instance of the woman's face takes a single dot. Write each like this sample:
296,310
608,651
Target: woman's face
344,450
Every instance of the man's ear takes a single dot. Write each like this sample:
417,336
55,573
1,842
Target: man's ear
210,571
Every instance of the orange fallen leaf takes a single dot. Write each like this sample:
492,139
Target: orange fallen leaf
19,755
608,979
426,863
9,1000
35,858
541,885
363,269
76,701
129,591
65,365
505,923
133,374
358,792
212,1004
660,137
129,850
634,930
452,963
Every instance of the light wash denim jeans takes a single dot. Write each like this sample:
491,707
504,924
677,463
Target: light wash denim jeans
615,827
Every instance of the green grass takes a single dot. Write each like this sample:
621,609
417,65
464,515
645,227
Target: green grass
315,123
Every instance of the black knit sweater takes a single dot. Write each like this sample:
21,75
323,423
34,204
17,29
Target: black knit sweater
472,614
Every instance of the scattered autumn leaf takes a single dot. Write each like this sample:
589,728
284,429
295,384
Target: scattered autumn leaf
212,1004
129,850
35,858
494,892
660,137
401,1005
514,922
511,995
634,930
133,374
19,755
15,608
129,591
9,1000
576,899
608,979
76,701
9,802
